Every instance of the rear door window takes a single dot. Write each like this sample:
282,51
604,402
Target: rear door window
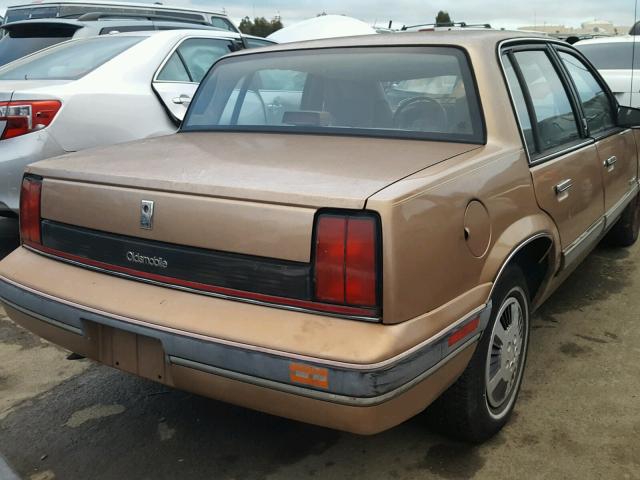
223,23
257,42
520,104
193,59
596,104
555,120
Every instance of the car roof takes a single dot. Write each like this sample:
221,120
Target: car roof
454,38
111,22
617,39
123,4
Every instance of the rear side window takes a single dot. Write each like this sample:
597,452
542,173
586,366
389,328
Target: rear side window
519,103
193,59
555,121
595,102
257,42
408,92
611,56
68,61
223,23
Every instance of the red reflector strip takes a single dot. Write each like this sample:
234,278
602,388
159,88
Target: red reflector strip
330,253
464,332
30,210
230,292
309,375
361,262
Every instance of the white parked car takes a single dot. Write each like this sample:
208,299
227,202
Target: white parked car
99,91
613,57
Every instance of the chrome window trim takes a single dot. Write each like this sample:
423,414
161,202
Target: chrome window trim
565,151
544,42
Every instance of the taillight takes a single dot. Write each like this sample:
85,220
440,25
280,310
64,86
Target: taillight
22,117
30,210
346,259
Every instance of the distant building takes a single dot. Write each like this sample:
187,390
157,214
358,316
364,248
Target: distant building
591,27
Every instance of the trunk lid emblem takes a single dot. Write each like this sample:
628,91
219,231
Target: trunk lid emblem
146,214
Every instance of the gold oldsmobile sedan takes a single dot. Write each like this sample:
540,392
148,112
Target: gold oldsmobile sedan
343,231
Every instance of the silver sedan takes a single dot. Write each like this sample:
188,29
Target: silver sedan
99,91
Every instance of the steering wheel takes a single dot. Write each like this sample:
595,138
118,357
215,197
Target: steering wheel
421,114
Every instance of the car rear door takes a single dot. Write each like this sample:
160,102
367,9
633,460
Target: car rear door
564,161
616,146
180,74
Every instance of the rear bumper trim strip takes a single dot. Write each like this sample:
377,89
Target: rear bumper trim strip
365,382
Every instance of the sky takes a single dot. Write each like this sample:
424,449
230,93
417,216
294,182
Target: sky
500,13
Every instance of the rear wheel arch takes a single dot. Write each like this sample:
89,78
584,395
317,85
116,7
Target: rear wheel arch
535,257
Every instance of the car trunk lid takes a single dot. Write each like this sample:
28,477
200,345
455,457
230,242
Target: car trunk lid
301,170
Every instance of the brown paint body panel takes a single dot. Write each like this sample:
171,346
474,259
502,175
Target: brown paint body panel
287,169
616,179
225,225
576,209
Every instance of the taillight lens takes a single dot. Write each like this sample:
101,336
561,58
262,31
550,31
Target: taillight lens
30,210
22,117
346,259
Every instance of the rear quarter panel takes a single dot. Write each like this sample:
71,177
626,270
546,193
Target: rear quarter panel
115,103
427,262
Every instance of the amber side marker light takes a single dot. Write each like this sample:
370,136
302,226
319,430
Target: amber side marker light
464,332
30,194
346,265
308,375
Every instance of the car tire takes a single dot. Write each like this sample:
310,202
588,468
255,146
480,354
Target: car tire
473,409
625,231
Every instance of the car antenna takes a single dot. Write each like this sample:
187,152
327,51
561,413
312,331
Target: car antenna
633,53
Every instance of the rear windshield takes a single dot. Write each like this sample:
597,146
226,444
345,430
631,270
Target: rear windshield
398,92
12,48
68,61
611,56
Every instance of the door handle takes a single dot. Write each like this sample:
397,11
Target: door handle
182,100
610,162
563,186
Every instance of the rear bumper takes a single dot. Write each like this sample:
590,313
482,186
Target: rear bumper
358,398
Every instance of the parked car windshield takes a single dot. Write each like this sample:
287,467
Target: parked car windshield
68,61
414,92
611,55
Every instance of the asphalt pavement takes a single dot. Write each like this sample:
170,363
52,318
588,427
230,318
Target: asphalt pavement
578,415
